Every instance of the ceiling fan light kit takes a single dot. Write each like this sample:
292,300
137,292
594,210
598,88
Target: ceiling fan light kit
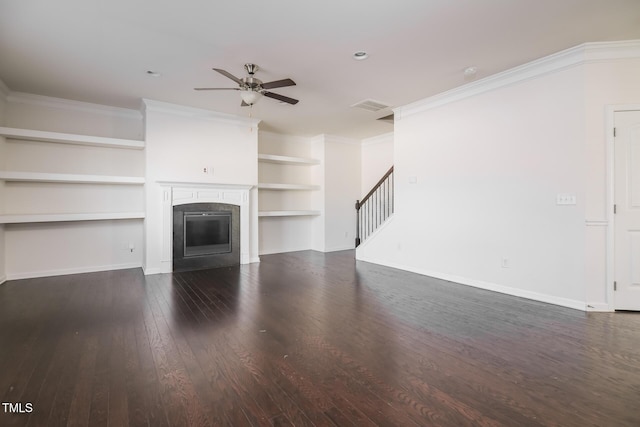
249,96
252,89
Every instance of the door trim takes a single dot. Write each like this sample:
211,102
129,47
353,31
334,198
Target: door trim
610,113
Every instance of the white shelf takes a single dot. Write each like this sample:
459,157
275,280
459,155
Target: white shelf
67,138
69,178
30,218
287,213
270,186
287,160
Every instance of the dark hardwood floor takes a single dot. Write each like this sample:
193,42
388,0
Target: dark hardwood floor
306,339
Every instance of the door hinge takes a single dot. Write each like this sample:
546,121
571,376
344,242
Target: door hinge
615,286
614,132
615,208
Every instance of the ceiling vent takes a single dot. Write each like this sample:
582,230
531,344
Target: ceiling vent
370,105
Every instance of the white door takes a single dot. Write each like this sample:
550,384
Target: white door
627,216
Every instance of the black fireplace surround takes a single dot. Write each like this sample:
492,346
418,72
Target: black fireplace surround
205,235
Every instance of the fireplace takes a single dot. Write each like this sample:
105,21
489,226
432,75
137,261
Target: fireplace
205,235
159,221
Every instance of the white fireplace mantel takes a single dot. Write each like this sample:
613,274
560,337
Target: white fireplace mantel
173,193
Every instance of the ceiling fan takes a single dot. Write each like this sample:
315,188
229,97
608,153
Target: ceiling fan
251,89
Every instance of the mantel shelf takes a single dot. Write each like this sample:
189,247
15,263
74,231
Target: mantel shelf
272,186
67,138
68,178
263,214
32,218
287,160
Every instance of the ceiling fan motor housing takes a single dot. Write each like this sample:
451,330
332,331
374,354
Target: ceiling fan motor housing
251,68
251,83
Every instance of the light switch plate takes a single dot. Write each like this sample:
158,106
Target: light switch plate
565,199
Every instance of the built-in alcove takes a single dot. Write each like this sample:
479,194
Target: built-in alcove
205,235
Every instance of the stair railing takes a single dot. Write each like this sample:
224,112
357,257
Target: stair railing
374,208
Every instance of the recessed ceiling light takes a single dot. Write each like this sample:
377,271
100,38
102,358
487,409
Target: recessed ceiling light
470,71
152,73
360,55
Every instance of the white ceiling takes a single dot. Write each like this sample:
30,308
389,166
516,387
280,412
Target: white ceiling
99,51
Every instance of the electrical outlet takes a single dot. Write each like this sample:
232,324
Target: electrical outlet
131,247
207,170
504,263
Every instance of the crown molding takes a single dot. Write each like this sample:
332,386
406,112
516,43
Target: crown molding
578,55
378,139
608,51
149,105
68,104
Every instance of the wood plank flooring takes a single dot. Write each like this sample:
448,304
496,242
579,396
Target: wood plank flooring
307,339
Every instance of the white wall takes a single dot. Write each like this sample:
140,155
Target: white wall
4,92
607,83
489,161
38,112
377,158
180,143
33,250
50,249
341,190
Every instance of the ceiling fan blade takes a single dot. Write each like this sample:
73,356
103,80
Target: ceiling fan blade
278,83
244,104
280,97
216,88
229,75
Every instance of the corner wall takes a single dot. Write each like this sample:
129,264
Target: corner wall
490,159
342,164
377,158
607,84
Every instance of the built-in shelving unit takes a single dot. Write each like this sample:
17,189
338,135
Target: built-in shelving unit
68,178
19,139
274,186
288,176
287,213
67,138
68,217
287,160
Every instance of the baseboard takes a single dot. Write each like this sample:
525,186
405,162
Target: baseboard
549,299
340,248
64,272
599,306
150,271
254,260
284,251
3,279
